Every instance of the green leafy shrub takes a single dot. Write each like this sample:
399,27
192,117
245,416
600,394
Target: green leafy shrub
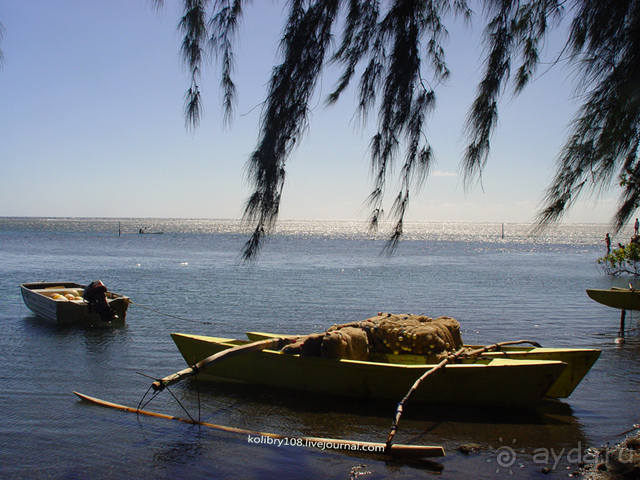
622,260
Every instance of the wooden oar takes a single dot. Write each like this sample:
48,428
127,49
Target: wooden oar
351,446
276,343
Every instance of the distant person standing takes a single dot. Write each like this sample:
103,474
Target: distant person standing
607,240
636,226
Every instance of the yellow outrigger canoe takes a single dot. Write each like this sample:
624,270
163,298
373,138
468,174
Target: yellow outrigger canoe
579,361
487,381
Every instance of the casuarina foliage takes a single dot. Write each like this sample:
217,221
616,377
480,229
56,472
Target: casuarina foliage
395,49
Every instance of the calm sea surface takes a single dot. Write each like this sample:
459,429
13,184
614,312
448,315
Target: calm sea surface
308,277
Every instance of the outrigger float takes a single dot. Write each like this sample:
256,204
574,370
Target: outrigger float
360,447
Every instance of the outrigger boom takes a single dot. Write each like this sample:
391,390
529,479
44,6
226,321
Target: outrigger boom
277,343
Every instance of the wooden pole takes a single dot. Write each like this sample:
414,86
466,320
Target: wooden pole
275,343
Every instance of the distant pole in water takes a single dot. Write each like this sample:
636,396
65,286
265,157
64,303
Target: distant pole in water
119,230
620,338
502,234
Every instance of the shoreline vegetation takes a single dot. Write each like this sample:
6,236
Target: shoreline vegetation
623,260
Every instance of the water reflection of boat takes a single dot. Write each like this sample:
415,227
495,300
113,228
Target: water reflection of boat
489,381
551,425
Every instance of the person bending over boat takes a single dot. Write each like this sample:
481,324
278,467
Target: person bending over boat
96,295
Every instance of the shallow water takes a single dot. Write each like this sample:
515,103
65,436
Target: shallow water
308,277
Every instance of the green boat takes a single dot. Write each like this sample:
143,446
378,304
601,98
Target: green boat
579,361
622,298
486,381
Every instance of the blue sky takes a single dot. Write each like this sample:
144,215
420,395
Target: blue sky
91,122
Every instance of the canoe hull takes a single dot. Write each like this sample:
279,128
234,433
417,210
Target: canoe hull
579,361
69,312
490,382
622,298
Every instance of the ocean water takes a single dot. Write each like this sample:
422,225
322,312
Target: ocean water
309,276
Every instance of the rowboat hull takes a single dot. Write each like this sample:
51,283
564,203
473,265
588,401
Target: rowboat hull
579,361
37,297
489,382
622,298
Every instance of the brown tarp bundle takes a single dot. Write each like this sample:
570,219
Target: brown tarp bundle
382,334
